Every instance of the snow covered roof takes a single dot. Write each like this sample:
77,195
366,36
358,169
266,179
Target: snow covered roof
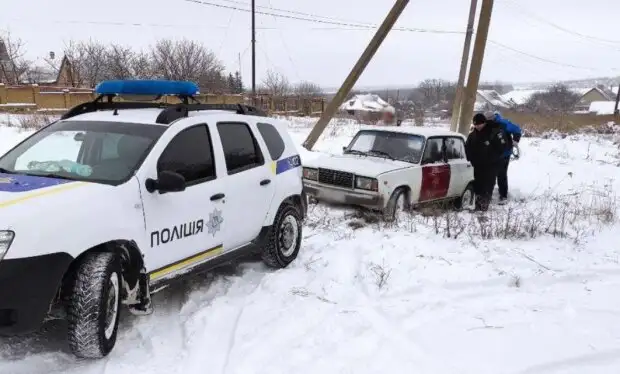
39,74
602,107
520,97
493,97
367,103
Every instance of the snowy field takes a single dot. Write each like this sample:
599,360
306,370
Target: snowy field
532,290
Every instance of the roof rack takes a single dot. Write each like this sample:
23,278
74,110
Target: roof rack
169,113
174,112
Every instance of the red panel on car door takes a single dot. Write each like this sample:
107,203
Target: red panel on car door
435,182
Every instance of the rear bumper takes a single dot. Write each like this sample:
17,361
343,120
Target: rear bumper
27,288
333,194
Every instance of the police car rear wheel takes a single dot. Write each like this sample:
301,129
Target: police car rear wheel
94,305
284,238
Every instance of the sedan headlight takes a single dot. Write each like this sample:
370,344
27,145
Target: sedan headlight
365,183
311,173
6,238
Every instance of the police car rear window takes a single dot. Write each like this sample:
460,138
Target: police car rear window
275,143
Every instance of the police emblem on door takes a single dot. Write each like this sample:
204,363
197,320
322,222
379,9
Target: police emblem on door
215,221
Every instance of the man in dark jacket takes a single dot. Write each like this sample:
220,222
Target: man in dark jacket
484,148
512,133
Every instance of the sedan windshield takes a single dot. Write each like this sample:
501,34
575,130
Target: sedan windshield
387,144
103,152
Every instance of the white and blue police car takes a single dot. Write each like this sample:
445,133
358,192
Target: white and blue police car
118,198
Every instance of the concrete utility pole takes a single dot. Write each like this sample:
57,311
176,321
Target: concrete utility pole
355,73
469,95
458,98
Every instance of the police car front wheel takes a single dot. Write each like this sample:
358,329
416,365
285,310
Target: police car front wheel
284,238
94,305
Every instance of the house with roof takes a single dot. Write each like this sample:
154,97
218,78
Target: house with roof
8,71
489,100
61,76
367,107
599,93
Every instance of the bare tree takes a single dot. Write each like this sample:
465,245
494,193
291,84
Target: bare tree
188,60
433,92
13,64
275,84
88,60
307,89
119,62
557,98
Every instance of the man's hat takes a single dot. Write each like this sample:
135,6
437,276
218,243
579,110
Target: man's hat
479,119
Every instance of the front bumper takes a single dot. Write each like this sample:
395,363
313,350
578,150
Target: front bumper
27,288
339,195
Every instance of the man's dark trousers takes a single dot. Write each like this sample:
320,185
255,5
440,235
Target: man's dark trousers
484,182
502,178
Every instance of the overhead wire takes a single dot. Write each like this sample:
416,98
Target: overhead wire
530,14
360,25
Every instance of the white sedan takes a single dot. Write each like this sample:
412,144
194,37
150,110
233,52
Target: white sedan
394,168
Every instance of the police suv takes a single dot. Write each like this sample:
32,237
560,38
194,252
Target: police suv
116,199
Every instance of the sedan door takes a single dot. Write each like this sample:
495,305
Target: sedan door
459,166
436,173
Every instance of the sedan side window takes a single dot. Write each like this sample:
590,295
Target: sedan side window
433,151
455,148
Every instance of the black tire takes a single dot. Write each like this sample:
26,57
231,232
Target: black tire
89,300
466,198
280,252
390,209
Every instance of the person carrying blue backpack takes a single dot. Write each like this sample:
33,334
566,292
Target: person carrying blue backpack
512,133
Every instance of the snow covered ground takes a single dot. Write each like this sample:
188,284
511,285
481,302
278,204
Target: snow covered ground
531,291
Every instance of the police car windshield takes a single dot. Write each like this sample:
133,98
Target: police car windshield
94,151
387,144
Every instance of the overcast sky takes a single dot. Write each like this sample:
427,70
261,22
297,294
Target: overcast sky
324,53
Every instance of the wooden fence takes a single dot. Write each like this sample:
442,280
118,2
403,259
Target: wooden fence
58,99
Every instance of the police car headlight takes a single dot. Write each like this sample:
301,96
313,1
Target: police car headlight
311,173
365,183
6,238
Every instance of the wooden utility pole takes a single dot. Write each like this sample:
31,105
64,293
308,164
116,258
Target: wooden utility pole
253,50
355,73
456,106
469,95
617,102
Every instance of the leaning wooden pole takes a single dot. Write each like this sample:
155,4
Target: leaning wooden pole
458,98
469,96
355,73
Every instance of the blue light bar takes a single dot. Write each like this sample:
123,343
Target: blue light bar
146,87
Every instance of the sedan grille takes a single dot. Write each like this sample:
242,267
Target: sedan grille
336,178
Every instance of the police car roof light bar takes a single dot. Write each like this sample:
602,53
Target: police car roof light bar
149,87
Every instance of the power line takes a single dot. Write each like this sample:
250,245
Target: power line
308,18
530,14
336,26
542,58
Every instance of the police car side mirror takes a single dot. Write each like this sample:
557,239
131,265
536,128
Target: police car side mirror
167,181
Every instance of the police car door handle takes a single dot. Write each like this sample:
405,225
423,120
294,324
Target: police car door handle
217,196
265,182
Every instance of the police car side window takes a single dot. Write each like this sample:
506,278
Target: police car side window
271,136
190,153
241,150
